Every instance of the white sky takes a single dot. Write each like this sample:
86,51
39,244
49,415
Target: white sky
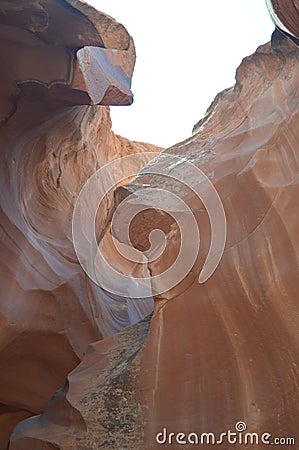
187,52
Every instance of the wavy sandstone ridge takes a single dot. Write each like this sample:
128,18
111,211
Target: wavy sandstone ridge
58,57
226,350
212,354
285,14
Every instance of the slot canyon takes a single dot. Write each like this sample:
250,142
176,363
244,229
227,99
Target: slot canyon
86,364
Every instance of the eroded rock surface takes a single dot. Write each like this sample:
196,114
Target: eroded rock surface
99,407
213,353
59,60
76,53
285,14
226,350
235,337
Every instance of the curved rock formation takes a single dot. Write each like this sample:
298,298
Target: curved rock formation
99,407
59,60
225,350
221,347
74,52
285,14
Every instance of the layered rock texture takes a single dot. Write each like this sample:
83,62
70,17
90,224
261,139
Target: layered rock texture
285,14
57,58
213,353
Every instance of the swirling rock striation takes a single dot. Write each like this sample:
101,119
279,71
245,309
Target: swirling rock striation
285,14
59,60
226,350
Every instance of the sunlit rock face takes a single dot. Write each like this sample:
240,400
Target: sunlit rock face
81,55
59,60
224,350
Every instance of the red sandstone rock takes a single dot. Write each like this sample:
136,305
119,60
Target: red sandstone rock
99,406
50,144
225,350
214,353
285,14
50,309
48,43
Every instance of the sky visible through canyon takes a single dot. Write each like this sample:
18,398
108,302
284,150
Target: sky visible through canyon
187,52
